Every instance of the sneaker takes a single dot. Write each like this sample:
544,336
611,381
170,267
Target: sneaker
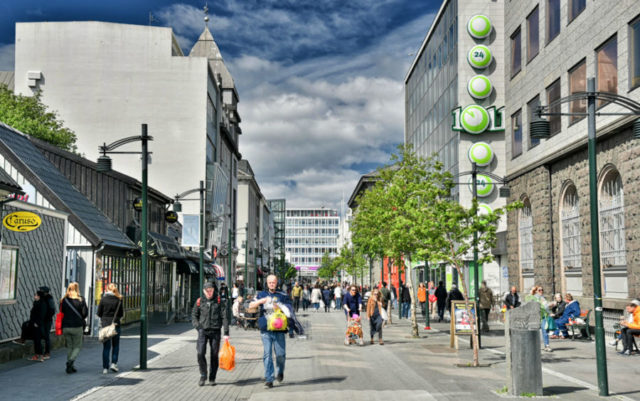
36,358
201,382
280,377
625,353
613,343
114,367
548,349
19,342
105,371
268,385
46,356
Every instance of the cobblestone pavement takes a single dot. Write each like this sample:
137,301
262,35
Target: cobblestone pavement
319,367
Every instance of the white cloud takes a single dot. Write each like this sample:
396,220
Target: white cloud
7,57
318,106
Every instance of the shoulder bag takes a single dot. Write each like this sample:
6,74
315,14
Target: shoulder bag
106,333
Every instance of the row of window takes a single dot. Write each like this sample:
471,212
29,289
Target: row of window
312,222
606,57
311,231
611,221
312,241
312,213
306,260
311,251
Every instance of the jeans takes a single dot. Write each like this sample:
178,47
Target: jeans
484,316
627,338
545,334
273,341
316,305
562,326
406,307
73,341
305,304
375,324
37,340
338,303
441,311
213,339
296,303
423,308
47,338
111,344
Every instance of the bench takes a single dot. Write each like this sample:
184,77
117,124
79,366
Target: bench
581,326
618,330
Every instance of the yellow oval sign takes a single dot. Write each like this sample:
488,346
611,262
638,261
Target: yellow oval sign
22,221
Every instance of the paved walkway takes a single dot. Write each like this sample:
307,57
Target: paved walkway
318,368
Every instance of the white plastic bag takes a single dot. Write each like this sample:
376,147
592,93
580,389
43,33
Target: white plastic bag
384,314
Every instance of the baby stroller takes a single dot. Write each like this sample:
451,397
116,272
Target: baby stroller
250,318
354,332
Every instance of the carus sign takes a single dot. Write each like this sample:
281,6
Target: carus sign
22,221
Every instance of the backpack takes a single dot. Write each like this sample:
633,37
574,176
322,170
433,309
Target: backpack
198,301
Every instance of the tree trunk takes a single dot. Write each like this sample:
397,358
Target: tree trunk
472,320
390,303
409,282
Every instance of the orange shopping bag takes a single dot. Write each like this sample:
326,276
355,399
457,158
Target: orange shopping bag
227,356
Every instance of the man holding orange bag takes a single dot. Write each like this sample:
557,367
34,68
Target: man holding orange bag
275,311
209,317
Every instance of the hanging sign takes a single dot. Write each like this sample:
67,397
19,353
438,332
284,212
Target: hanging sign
481,154
22,221
475,119
480,87
480,57
479,26
484,209
484,186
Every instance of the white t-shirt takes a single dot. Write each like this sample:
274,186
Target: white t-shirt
337,292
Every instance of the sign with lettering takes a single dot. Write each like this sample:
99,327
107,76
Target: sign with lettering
475,119
22,221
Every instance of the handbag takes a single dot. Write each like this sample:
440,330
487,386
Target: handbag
551,323
59,318
106,333
383,314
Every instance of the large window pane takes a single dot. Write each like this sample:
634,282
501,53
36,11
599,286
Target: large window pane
516,53
575,8
553,94
8,273
607,60
578,83
553,19
531,108
533,34
516,134
634,54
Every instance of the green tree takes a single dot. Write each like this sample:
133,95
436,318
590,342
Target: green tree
29,115
290,271
327,267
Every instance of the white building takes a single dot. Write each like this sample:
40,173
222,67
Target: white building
310,233
107,79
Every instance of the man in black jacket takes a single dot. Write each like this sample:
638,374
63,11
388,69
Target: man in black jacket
48,321
209,317
441,295
406,301
512,300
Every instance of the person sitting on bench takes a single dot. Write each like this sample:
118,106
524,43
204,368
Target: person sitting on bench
571,311
630,328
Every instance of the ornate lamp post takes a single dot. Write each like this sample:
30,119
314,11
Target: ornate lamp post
104,165
541,128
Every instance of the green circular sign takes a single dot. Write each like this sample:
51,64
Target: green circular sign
479,26
484,209
485,185
480,87
481,153
474,119
479,56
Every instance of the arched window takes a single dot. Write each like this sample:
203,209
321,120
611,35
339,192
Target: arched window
525,233
611,210
570,223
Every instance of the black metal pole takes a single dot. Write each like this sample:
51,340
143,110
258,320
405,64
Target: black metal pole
145,229
476,270
201,235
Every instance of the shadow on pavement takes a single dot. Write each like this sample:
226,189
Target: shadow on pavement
125,381
319,380
558,390
247,382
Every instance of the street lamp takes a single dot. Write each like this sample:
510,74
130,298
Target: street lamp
177,207
103,166
541,128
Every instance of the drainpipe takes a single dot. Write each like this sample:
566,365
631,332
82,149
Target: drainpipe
552,253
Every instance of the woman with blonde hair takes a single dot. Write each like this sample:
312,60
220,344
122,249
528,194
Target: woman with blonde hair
110,310
374,306
75,312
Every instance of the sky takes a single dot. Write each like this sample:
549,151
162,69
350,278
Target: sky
321,82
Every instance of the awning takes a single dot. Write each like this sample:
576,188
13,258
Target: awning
218,271
188,267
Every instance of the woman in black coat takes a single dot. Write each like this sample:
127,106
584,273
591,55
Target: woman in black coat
110,310
75,311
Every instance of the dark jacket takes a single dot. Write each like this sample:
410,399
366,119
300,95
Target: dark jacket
386,296
512,300
454,295
38,314
326,297
107,309
51,311
558,310
281,298
353,302
210,314
71,319
441,294
406,295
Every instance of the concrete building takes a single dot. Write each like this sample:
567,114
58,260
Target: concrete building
310,233
253,231
553,48
278,209
106,79
454,98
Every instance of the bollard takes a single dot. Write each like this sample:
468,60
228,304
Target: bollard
522,345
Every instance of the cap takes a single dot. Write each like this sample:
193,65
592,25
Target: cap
635,302
44,289
208,284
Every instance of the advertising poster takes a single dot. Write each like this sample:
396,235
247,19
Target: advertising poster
462,318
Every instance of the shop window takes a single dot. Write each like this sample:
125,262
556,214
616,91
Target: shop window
607,68
578,83
570,226
8,273
533,34
611,211
525,237
553,19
